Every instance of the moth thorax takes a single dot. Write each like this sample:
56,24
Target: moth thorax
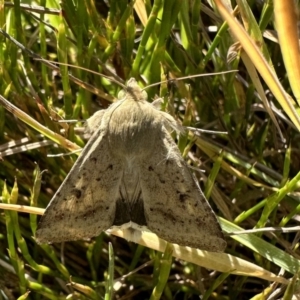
133,140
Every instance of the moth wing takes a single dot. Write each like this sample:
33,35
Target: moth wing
85,203
174,206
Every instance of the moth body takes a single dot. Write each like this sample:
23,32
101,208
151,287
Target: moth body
131,175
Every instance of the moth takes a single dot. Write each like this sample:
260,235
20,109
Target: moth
131,175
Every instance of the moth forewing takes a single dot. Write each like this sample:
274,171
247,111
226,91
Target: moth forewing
131,175
79,209
175,208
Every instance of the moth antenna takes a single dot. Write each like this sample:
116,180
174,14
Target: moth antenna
189,77
197,130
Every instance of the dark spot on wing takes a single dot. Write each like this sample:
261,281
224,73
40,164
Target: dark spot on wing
59,216
170,217
77,193
89,213
93,159
150,168
162,180
98,178
110,166
183,197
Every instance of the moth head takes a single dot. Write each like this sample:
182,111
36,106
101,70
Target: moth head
133,91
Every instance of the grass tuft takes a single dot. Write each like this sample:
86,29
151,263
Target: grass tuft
250,175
